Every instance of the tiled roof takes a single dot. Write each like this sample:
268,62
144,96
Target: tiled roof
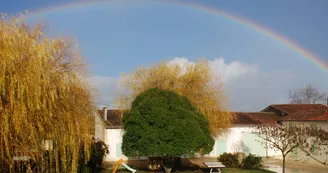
113,118
254,118
293,112
307,115
292,108
243,119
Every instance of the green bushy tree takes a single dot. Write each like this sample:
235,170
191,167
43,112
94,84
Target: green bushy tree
162,123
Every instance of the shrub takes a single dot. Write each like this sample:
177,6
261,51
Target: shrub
229,160
98,151
84,169
252,162
240,156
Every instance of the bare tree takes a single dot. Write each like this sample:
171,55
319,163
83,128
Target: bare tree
307,95
317,139
283,138
240,147
287,137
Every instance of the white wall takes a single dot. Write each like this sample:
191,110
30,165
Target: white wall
298,155
235,135
114,140
100,131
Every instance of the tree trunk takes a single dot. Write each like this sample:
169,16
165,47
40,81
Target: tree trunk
283,163
177,164
168,163
167,170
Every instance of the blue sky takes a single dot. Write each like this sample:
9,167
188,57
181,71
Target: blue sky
118,36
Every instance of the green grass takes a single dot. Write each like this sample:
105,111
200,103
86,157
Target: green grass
225,170
235,170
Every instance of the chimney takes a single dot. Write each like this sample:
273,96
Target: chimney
105,113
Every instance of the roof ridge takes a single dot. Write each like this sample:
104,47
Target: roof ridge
255,112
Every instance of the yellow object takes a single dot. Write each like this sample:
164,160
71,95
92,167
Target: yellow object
119,162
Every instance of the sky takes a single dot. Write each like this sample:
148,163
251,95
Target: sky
118,36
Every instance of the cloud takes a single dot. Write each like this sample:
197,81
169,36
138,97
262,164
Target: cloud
248,86
233,70
255,92
226,72
106,88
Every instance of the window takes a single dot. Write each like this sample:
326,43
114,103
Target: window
294,152
314,149
118,150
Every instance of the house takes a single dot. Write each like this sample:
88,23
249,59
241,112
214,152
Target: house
305,115
109,128
239,137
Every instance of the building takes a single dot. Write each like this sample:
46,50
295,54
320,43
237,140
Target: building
239,137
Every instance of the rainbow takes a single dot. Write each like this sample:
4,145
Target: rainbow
228,16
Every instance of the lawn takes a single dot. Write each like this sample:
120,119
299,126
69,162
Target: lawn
234,170
225,170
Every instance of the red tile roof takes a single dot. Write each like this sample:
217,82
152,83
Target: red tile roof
292,108
291,112
241,118
307,115
114,118
247,118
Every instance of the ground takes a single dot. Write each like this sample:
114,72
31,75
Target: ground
226,170
235,170
294,166
195,165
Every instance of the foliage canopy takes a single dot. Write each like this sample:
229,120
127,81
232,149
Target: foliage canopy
43,98
162,123
195,81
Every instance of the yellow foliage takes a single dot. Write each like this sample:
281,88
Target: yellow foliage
196,82
43,96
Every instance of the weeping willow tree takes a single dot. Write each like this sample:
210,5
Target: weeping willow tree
195,81
45,104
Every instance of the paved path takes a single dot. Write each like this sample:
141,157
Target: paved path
294,167
275,165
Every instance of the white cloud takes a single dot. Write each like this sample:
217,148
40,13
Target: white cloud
102,81
248,87
103,89
255,92
226,72
106,88
182,62
232,70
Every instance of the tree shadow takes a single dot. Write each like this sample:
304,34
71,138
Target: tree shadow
184,164
181,165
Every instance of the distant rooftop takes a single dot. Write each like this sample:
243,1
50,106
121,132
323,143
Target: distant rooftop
270,115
